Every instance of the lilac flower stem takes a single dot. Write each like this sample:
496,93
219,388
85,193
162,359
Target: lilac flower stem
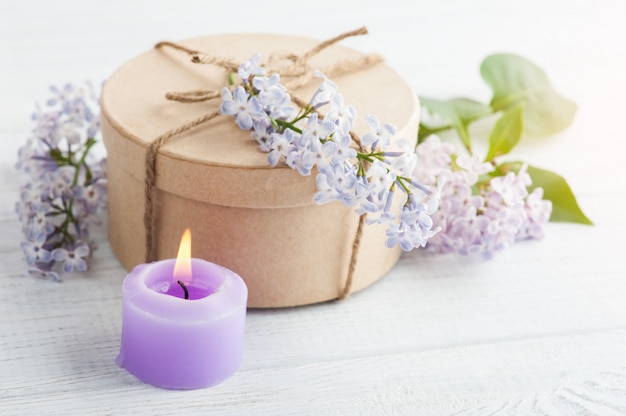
303,114
66,237
402,182
81,163
287,125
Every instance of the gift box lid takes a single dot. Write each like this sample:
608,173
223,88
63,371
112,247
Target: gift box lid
217,162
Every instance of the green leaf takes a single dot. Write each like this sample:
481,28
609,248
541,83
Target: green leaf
515,80
425,131
506,133
458,112
565,208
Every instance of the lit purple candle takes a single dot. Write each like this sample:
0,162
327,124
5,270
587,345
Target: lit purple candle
183,321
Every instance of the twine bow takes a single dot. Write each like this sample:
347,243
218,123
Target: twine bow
295,72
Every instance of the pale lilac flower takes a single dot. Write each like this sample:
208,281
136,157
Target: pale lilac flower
22,211
251,67
296,161
95,125
538,211
73,257
324,93
433,159
343,116
31,193
240,105
380,178
512,187
380,135
274,98
326,191
270,86
400,234
91,197
279,145
386,217
98,169
35,251
25,156
78,111
61,95
59,182
414,229
39,223
316,129
337,183
419,221
434,195
320,154
44,274
305,155
34,160
262,133
403,164
46,125
472,168
343,152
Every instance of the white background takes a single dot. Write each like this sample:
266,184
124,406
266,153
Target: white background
540,329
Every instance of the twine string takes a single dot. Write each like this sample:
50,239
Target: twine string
299,73
226,63
176,46
356,243
300,65
192,96
149,218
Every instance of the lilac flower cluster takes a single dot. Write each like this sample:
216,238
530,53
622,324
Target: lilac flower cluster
66,184
367,177
478,213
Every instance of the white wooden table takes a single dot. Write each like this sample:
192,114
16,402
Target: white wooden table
538,330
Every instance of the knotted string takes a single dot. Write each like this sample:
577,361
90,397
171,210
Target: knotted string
298,73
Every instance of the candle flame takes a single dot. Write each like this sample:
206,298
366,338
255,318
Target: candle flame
182,267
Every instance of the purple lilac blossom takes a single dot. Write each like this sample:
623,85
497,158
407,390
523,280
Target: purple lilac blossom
474,219
239,104
305,140
72,257
66,183
381,134
250,67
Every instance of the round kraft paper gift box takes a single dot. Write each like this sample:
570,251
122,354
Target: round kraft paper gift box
257,220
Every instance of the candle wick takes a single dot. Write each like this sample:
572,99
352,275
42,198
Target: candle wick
184,288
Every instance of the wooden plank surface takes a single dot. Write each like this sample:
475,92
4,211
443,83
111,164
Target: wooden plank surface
538,330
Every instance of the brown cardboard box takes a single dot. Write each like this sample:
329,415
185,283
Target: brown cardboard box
257,220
